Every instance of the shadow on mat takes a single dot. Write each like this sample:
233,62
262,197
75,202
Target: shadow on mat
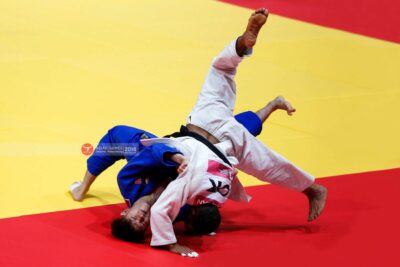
254,221
268,227
104,217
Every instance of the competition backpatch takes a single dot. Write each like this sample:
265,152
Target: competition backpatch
217,184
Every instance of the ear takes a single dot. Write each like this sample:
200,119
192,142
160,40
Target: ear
124,212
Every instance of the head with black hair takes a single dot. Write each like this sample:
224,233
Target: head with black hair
203,219
133,222
122,229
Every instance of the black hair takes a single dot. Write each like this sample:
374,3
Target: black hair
205,219
122,229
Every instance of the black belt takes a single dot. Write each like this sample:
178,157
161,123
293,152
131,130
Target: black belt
185,132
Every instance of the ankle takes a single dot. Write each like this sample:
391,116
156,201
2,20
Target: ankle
240,46
309,191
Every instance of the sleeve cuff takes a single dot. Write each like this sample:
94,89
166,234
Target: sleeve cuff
159,150
162,242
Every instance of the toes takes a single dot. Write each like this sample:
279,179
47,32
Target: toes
263,11
314,212
259,10
310,216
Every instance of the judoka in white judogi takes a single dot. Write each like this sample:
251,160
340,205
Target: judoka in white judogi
213,112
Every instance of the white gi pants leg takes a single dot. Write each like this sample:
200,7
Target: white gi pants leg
213,112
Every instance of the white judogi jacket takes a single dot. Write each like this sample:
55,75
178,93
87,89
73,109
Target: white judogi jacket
207,179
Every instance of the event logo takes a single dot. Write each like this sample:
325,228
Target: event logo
87,149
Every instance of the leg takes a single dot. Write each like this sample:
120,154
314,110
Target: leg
316,195
263,163
219,89
258,160
278,103
253,121
249,37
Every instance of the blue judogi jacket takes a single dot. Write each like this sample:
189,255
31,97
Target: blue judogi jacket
148,166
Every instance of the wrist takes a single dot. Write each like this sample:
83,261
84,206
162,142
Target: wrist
170,246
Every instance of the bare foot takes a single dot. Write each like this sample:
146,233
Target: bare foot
76,191
249,37
316,195
281,103
278,103
182,250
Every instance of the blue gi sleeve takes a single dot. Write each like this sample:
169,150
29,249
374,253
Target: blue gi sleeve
159,153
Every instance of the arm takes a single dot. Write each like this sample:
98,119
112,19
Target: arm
153,197
163,213
79,189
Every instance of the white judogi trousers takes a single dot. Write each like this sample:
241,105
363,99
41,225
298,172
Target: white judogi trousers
213,112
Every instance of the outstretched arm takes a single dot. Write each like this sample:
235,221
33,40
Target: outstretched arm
153,197
163,213
79,189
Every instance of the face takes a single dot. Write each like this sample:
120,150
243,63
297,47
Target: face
138,215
